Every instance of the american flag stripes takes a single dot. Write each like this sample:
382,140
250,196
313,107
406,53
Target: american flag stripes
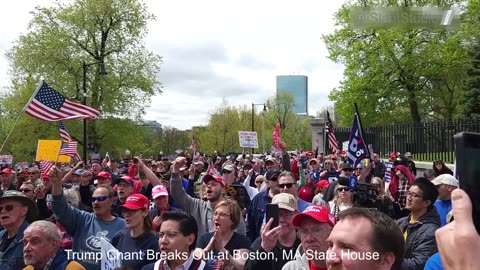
49,105
63,132
68,148
332,140
45,166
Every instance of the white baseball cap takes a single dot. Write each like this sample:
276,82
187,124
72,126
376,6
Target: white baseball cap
446,179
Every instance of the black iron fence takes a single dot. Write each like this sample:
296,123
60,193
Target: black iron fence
426,141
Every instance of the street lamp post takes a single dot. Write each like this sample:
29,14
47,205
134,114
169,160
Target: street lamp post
102,72
253,122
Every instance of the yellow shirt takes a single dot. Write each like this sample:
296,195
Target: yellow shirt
411,221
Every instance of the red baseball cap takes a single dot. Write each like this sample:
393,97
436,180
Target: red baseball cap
104,174
318,212
393,155
127,179
7,171
322,184
135,202
209,177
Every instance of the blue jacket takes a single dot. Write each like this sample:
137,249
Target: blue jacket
256,214
12,258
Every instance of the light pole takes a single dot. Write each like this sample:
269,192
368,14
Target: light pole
102,72
253,121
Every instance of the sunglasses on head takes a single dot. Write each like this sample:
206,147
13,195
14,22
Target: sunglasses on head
343,189
226,172
99,198
7,208
289,185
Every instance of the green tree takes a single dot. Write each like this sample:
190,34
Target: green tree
62,37
396,75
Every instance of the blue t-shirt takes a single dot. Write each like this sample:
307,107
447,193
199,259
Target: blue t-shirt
443,207
134,249
434,262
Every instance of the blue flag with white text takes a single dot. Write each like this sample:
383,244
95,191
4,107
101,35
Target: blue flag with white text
357,147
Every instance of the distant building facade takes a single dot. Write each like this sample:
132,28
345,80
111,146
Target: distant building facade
297,86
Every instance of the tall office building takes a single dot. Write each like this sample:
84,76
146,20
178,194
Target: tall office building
297,86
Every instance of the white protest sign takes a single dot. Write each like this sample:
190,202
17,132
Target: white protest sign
248,139
110,256
345,146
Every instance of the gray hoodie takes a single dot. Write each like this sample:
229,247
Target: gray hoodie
201,210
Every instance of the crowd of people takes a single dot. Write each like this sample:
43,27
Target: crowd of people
211,213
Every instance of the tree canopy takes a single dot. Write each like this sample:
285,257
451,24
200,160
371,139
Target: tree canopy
399,75
63,37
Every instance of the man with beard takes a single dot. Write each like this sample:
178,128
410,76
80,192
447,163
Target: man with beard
314,226
201,210
41,248
86,228
365,238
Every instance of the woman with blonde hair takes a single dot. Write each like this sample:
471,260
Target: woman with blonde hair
224,241
343,198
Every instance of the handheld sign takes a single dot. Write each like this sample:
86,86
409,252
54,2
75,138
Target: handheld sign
110,256
248,139
48,150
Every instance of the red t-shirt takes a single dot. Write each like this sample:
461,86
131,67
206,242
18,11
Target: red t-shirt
312,267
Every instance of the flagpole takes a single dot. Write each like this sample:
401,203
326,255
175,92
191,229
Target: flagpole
363,132
325,140
20,115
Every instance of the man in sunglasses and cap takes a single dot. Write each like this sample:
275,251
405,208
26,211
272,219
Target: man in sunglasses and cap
86,228
16,213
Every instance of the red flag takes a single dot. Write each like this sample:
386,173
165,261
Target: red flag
276,136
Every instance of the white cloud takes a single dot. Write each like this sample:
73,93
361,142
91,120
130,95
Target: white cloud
215,49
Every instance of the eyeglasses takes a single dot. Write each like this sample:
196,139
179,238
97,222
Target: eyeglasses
289,185
314,232
25,190
286,214
99,198
226,172
7,208
414,195
220,214
129,211
342,189
169,235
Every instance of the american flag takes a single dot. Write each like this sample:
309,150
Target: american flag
45,166
49,105
332,140
69,148
63,132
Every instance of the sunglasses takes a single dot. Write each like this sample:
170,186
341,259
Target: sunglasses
25,190
226,172
342,189
7,208
289,185
258,182
99,198
358,169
